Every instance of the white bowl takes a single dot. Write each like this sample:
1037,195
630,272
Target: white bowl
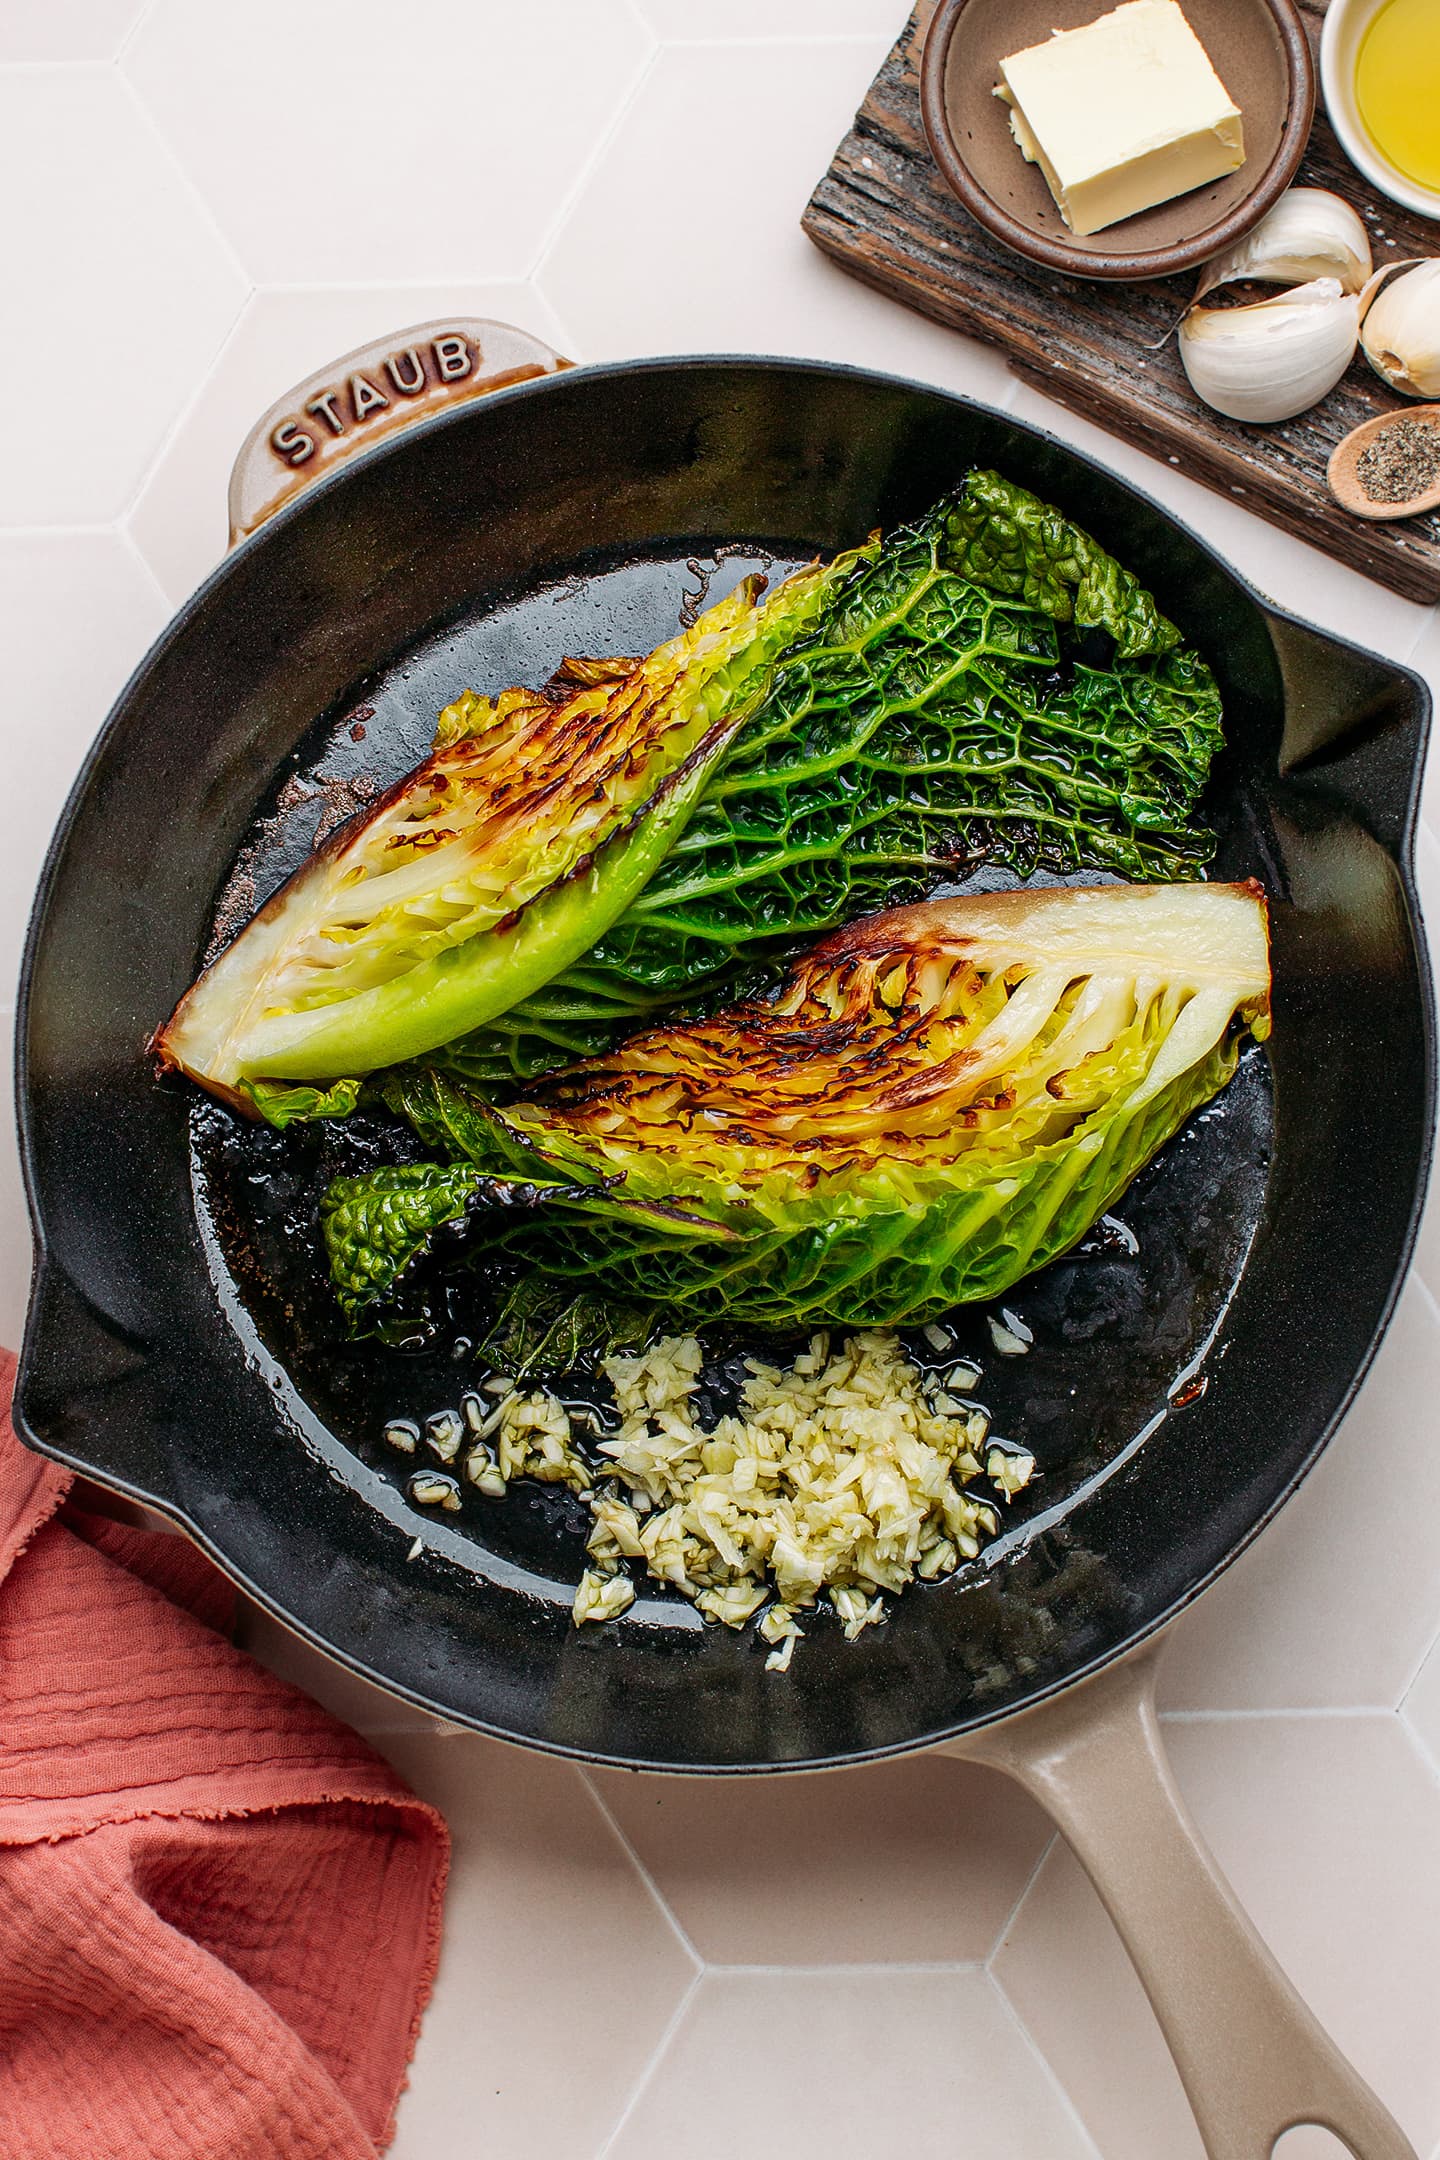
1346,22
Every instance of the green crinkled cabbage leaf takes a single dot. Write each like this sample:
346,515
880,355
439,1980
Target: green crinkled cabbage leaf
547,1327
374,1226
295,1102
1002,537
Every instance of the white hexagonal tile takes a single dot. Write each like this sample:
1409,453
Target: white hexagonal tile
1335,1603
558,1972
914,1861
1303,579
118,288
720,264
1065,1970
928,2063
1327,1827
179,521
336,140
77,610
73,30
691,22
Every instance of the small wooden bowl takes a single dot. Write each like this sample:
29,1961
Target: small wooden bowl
1344,480
1258,49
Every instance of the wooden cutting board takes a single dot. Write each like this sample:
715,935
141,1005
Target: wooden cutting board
884,213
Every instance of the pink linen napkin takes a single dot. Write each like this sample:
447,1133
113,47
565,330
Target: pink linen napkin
219,1909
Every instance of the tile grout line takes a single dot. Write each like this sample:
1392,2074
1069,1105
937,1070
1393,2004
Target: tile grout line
1048,2072
565,210
642,22
662,2045
1025,1889
132,548
1420,1663
868,38
58,67
626,1846
457,276
133,32
242,307
187,179
104,530
172,435
849,1969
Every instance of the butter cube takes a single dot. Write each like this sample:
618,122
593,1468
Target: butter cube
1121,114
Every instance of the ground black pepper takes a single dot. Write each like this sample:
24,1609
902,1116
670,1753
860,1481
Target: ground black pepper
1402,461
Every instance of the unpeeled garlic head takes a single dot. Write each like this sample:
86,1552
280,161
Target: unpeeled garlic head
1274,358
1400,329
1309,233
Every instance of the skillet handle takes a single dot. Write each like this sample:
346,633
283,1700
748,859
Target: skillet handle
1252,2057
85,1393
370,394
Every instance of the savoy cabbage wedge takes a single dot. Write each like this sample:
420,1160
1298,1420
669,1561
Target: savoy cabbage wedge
939,1099
990,686
535,821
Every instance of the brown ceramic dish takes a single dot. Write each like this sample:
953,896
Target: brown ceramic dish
1258,49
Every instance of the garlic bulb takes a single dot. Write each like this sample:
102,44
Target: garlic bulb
1401,327
1309,233
1274,358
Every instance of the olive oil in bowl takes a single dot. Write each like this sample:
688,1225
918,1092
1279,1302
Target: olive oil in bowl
1397,87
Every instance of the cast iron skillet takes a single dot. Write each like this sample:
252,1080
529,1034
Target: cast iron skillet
486,542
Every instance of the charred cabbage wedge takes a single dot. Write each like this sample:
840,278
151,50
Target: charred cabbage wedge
530,828
991,686
940,1099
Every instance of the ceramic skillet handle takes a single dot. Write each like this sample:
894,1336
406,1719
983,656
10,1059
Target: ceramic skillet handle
1252,2057
369,394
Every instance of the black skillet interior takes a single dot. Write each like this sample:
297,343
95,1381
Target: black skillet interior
575,514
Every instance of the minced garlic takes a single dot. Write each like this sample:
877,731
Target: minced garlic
845,1476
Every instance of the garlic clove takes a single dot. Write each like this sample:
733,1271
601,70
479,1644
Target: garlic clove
1400,326
1274,358
1309,233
